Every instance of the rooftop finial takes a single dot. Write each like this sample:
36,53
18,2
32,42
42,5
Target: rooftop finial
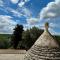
46,25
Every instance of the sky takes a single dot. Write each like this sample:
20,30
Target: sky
29,13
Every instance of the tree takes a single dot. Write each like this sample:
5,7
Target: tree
27,41
35,32
30,36
17,35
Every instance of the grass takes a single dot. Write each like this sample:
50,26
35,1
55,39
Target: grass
5,36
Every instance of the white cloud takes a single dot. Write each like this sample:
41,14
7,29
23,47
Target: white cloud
32,21
53,32
14,1
50,13
54,25
27,0
1,3
6,24
52,10
14,12
22,3
26,12
18,13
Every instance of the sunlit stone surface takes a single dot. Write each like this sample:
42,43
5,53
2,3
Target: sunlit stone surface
45,48
11,54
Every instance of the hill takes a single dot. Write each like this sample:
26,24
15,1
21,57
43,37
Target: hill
5,36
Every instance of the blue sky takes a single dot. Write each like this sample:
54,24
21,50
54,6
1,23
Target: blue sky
29,13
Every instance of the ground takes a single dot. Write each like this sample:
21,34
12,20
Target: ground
12,54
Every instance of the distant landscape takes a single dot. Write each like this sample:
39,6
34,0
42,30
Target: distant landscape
8,36
5,36
5,40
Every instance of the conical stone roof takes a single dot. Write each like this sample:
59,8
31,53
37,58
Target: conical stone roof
45,48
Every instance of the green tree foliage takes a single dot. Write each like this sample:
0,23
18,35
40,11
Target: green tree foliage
4,44
30,36
4,41
35,32
27,41
17,35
